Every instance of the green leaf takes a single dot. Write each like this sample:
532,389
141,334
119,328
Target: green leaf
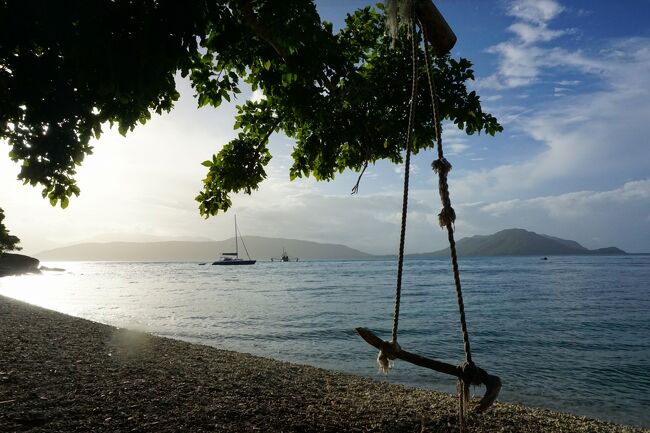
123,129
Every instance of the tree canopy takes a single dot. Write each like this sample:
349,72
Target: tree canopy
69,68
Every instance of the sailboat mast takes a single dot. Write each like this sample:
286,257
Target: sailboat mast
236,243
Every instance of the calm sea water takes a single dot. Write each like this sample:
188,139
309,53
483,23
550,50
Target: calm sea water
570,333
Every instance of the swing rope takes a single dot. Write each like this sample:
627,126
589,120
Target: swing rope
447,216
446,219
467,373
407,170
385,357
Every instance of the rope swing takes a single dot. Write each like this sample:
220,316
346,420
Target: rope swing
439,35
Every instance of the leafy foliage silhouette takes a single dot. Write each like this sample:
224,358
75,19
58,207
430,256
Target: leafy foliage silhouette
69,68
7,242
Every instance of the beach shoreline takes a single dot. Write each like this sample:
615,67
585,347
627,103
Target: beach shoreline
60,373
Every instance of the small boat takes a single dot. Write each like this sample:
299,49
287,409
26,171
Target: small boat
232,259
284,258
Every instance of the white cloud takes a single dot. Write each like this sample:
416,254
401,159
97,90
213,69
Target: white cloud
399,169
560,91
491,98
576,205
518,66
590,142
523,58
456,147
535,11
529,34
584,12
591,217
598,138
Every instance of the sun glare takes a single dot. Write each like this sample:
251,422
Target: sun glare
53,290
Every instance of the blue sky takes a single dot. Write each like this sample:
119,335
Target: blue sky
569,81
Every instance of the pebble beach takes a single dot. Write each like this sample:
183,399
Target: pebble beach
64,374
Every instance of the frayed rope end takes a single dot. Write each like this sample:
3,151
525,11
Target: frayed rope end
464,395
386,357
384,362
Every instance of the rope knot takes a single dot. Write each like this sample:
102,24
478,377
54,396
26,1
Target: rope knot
441,166
473,374
447,216
470,372
387,355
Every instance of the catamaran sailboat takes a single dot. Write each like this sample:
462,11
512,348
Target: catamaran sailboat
233,258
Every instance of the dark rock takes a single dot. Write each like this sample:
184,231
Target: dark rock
45,268
17,264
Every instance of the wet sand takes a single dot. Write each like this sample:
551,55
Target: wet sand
63,374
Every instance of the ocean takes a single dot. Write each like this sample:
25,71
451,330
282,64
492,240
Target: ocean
571,333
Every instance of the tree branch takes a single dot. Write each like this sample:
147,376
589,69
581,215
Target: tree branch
251,20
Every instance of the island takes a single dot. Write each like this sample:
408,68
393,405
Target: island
519,242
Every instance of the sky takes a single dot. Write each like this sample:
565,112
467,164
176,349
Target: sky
568,80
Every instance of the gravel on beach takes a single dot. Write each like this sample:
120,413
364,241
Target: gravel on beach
64,374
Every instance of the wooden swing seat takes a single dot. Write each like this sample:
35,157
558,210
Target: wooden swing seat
479,377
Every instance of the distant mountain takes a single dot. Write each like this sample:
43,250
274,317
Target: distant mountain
520,242
137,237
260,248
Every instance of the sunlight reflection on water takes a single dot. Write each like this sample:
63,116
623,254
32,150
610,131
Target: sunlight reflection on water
570,333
